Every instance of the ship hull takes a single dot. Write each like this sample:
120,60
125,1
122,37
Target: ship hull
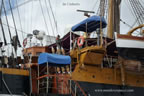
12,83
131,53
97,89
130,47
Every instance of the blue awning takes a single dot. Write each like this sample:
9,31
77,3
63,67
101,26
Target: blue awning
93,23
54,59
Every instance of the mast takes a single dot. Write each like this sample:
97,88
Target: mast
113,17
110,19
117,16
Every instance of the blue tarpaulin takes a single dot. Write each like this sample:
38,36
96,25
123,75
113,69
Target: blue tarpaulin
92,22
54,59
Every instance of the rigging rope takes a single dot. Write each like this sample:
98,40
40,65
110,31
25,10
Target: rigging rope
141,11
44,20
131,13
49,17
137,6
7,21
25,17
20,4
14,28
126,23
138,11
102,10
134,10
5,42
53,16
103,7
31,17
14,24
94,5
19,18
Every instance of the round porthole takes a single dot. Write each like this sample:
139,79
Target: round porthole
137,81
93,76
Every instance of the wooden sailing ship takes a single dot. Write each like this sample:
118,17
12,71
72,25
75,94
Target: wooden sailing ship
96,66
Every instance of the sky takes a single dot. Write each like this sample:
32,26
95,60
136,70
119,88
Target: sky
31,15
64,11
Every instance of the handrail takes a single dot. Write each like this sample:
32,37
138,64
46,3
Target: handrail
52,76
132,30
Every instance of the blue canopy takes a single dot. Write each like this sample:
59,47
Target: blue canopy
93,23
54,59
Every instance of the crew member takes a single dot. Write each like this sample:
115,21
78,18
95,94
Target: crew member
58,42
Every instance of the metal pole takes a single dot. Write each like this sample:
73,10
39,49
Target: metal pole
86,36
70,40
30,81
47,79
101,32
30,72
98,37
75,89
62,83
70,76
1,55
38,79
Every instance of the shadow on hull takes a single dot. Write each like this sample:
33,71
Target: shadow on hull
96,89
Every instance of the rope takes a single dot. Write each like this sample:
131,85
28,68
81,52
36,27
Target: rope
141,11
103,9
6,85
133,10
31,16
126,23
44,20
132,14
49,17
19,18
14,28
53,16
20,4
94,5
137,6
14,23
138,10
2,26
7,21
3,32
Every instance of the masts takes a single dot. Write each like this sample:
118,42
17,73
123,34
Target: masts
117,16
110,20
113,17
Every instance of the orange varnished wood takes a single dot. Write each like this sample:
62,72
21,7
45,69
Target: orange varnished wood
130,37
36,49
106,76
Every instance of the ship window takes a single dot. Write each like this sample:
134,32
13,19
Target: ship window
93,76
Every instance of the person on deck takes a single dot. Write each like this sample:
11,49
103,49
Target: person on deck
58,42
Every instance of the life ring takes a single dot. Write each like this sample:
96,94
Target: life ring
24,42
80,41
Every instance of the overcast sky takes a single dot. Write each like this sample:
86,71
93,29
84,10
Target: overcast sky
65,15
